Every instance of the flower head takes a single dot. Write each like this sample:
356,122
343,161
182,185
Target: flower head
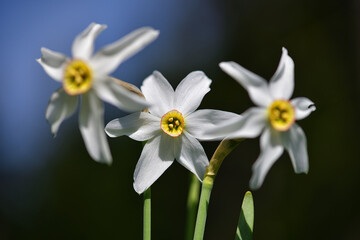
86,75
274,117
171,127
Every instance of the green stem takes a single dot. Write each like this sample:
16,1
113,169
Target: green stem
203,206
192,203
147,214
224,148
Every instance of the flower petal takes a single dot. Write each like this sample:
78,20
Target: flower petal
108,58
303,107
159,93
256,86
91,125
248,125
140,126
201,121
110,91
61,106
53,63
271,150
282,83
251,125
83,45
192,156
190,92
294,141
156,157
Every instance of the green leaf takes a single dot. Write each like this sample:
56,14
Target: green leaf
246,220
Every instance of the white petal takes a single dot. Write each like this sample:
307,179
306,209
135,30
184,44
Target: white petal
91,125
248,125
53,63
256,86
83,45
156,157
192,155
190,92
110,91
140,126
61,106
271,150
303,107
282,83
159,93
294,141
201,121
108,58
251,125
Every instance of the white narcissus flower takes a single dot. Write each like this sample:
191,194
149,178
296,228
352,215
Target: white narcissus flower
273,118
171,127
86,75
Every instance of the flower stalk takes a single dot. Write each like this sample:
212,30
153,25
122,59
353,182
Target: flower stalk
192,204
147,215
224,148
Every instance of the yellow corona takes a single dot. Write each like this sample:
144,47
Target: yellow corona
281,115
77,77
172,123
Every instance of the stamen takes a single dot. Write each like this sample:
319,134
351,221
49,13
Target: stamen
173,123
281,115
77,78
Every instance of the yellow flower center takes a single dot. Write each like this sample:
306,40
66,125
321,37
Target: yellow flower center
281,115
77,78
172,123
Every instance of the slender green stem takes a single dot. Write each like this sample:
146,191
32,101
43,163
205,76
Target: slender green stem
203,206
147,215
224,148
192,203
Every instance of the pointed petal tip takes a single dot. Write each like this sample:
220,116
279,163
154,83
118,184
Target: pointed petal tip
155,32
222,65
312,107
99,24
106,161
254,186
106,129
302,171
53,133
137,189
303,107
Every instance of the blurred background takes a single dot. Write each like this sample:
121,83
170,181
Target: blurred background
51,189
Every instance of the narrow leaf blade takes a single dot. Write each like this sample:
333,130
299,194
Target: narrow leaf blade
246,220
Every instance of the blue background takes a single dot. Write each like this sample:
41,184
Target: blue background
51,189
